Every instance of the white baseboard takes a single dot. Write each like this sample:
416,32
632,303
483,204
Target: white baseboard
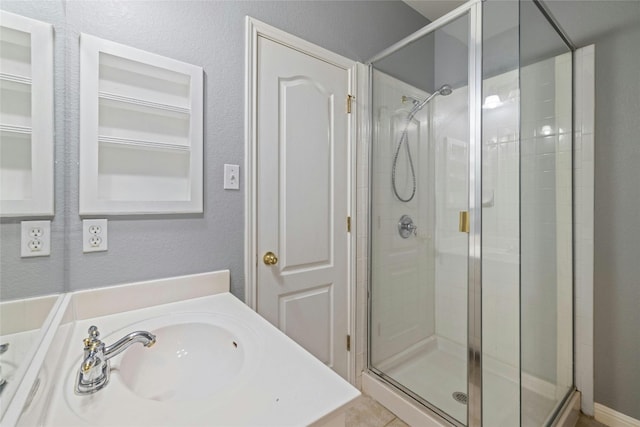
613,418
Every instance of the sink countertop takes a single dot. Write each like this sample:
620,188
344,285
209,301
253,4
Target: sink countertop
286,386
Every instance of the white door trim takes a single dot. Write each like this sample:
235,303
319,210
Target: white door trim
255,29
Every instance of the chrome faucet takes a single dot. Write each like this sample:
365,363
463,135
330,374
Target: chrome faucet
95,368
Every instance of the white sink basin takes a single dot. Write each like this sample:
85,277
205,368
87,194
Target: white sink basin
196,358
189,361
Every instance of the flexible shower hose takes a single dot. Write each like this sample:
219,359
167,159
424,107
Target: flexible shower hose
404,139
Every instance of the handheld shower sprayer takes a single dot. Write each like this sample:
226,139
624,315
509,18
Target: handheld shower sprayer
444,90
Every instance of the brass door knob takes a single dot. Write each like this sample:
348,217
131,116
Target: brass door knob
270,258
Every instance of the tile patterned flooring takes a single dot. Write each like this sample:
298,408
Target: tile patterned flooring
368,413
585,421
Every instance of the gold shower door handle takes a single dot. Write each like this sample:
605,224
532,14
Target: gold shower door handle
463,225
270,258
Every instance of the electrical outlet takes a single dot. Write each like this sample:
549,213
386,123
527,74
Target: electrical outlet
231,177
35,238
94,235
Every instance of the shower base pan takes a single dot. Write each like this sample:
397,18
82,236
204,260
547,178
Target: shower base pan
436,370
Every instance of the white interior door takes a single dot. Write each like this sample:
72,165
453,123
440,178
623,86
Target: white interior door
302,199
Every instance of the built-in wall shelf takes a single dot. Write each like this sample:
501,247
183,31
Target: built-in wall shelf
141,131
26,117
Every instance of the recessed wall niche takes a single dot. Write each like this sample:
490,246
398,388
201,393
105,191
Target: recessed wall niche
26,117
140,131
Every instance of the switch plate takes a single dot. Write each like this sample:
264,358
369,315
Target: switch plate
94,235
231,177
35,238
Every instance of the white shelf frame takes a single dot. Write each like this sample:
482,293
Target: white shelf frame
143,103
91,139
15,78
141,143
41,202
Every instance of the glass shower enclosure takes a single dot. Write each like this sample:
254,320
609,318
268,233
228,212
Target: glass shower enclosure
470,225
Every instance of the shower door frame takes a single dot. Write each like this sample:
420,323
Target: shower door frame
474,309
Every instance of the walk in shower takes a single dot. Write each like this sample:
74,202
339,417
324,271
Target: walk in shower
470,189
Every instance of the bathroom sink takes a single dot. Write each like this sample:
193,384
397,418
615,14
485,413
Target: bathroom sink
197,358
189,361
214,362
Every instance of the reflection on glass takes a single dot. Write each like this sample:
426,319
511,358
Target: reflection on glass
420,175
20,335
22,317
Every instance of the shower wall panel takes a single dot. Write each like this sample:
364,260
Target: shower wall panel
546,193
403,312
500,225
451,137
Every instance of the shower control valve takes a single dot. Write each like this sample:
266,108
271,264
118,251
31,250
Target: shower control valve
406,227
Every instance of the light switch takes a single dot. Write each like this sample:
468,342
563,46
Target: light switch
231,177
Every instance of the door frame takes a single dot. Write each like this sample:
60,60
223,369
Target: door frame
254,29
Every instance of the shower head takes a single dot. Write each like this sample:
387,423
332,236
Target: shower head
444,90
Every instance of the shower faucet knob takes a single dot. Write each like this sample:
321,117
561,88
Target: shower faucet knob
406,227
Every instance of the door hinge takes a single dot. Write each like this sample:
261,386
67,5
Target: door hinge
350,98
348,224
348,342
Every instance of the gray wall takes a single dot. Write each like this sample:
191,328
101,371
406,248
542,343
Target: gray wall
617,229
451,62
205,33
413,64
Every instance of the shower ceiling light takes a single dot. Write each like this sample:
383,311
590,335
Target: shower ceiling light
491,102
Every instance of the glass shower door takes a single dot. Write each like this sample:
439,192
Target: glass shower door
419,197
546,281
526,216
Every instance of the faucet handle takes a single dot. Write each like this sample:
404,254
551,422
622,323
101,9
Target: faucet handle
93,338
93,332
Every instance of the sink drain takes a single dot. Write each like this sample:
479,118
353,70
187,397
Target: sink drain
460,397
